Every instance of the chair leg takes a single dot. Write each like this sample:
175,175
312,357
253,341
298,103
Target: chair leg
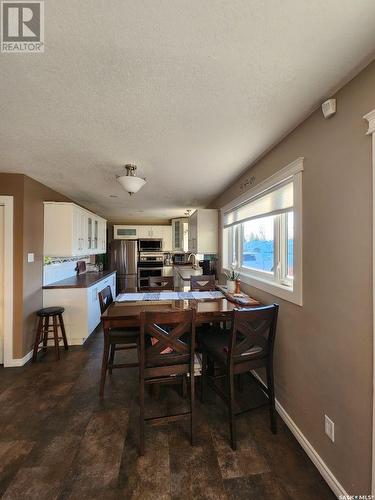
111,357
232,417
39,332
104,365
45,333
271,396
141,415
56,338
203,376
192,409
63,332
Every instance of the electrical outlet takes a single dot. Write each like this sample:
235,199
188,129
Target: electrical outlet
329,428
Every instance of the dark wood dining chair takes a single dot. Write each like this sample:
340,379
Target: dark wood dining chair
202,283
248,345
115,339
160,283
166,352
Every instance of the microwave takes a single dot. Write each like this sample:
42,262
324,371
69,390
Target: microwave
150,245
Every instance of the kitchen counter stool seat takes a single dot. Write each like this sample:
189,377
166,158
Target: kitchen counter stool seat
50,311
45,326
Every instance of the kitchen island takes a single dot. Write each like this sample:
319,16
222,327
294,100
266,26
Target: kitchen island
182,275
79,296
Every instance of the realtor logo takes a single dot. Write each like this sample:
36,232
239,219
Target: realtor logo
22,27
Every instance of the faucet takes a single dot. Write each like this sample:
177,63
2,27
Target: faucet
195,266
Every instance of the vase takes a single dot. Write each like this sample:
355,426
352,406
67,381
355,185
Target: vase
238,285
231,286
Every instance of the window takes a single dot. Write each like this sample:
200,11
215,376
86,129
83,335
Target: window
261,239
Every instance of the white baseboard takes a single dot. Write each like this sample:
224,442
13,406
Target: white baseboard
19,361
314,456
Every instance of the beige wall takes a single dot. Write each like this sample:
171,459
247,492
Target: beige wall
323,357
28,237
35,194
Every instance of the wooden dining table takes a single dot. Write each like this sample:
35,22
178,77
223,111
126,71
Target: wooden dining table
127,314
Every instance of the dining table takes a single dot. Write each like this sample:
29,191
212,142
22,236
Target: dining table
125,314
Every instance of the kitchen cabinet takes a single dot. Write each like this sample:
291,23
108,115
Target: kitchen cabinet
203,231
167,238
144,232
72,231
129,232
180,234
82,309
121,232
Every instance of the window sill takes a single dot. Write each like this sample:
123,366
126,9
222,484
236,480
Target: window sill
281,291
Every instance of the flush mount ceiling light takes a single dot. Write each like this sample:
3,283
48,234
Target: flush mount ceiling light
130,182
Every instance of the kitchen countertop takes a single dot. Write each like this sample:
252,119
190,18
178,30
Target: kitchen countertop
81,281
185,272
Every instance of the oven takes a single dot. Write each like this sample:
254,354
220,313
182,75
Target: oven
149,264
150,245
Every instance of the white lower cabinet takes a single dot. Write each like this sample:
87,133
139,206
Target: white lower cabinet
82,310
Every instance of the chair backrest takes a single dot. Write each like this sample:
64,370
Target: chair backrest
157,283
202,283
105,298
167,338
253,333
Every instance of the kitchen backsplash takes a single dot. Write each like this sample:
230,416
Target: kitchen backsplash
56,269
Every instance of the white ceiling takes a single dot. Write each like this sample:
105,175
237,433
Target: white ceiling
192,91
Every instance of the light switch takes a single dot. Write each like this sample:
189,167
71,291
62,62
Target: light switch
30,257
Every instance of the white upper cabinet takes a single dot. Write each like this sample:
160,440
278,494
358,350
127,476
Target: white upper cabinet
203,231
144,232
71,231
121,232
180,235
127,232
167,238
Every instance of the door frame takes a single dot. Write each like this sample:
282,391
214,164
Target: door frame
7,202
370,117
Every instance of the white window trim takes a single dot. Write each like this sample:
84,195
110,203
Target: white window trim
294,295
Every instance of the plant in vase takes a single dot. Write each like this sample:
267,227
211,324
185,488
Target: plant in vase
232,279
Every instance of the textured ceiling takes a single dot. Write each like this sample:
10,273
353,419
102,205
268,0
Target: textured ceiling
190,90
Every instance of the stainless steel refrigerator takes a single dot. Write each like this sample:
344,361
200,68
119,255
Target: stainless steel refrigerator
124,260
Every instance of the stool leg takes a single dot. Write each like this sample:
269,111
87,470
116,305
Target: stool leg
56,338
62,328
37,339
45,332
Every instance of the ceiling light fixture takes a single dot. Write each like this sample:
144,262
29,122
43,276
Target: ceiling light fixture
130,182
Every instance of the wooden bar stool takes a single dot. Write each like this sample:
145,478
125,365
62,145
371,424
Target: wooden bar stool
45,326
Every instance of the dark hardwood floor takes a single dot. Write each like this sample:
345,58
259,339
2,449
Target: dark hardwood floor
58,440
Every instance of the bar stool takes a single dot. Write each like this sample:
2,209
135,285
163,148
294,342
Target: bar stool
44,327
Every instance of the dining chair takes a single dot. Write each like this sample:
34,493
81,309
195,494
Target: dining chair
248,345
115,339
202,283
159,283
166,352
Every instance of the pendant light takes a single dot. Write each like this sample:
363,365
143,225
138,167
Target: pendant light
130,182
